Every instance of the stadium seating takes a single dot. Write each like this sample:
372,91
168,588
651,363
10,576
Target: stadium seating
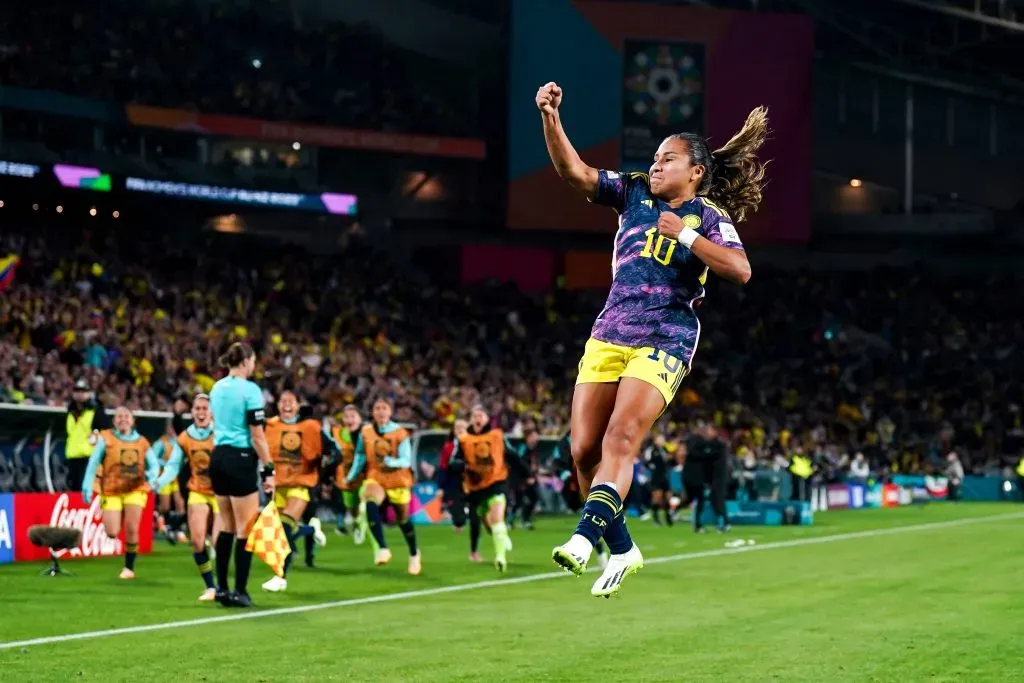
891,363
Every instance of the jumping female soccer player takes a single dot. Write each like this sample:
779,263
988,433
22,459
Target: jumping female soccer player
129,463
674,226
386,453
195,445
238,440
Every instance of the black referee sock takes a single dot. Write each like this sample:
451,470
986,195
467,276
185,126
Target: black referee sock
225,540
243,563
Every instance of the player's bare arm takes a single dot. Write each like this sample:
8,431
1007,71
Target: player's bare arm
567,162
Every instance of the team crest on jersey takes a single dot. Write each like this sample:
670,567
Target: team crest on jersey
201,461
290,441
648,203
691,220
129,457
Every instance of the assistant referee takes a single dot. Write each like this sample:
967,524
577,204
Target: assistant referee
240,458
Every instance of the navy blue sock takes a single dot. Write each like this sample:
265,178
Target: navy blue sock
131,552
205,568
602,505
617,535
376,527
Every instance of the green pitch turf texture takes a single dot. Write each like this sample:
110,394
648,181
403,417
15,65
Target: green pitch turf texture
936,596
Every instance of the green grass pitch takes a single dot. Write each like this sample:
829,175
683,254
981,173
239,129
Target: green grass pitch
930,593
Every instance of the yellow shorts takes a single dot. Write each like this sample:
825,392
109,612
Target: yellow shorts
605,362
123,500
170,488
195,498
282,494
401,496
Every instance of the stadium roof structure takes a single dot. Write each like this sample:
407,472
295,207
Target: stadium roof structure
971,46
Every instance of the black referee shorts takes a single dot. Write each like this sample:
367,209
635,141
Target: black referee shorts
233,471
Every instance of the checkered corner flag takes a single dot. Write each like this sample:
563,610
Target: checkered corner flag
267,539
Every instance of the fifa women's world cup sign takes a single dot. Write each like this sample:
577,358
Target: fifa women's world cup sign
662,94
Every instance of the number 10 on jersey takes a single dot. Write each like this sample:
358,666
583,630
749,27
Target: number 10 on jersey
653,249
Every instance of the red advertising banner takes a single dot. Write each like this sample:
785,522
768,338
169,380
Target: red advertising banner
890,496
322,136
69,510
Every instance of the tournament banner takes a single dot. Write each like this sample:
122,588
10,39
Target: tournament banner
6,528
426,507
69,510
873,496
635,72
923,489
662,94
837,496
762,513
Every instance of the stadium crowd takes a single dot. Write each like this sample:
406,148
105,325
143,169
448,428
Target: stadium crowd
257,62
900,366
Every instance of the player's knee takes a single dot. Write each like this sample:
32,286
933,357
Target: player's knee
622,438
586,452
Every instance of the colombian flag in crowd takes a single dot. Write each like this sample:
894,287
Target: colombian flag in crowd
8,265
267,539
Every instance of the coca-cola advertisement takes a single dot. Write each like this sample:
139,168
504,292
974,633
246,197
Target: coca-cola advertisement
70,510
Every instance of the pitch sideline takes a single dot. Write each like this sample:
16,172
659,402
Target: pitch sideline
795,543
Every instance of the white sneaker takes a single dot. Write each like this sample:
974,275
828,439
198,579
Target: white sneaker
573,555
318,532
619,567
276,584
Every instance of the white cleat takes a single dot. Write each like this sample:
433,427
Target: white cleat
209,595
618,568
276,584
318,532
573,555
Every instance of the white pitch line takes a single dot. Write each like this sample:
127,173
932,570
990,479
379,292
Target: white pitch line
239,616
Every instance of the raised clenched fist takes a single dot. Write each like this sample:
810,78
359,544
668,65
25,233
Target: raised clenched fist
549,96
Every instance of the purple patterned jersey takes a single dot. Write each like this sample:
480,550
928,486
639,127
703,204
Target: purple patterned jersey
655,280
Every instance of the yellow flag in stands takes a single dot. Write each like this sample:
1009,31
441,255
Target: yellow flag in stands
267,539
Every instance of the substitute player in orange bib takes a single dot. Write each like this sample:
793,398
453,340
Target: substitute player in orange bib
128,464
480,454
296,447
384,449
194,446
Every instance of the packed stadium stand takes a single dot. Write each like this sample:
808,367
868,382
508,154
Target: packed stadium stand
901,364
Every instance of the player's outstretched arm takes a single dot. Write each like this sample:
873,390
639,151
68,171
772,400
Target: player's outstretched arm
567,162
